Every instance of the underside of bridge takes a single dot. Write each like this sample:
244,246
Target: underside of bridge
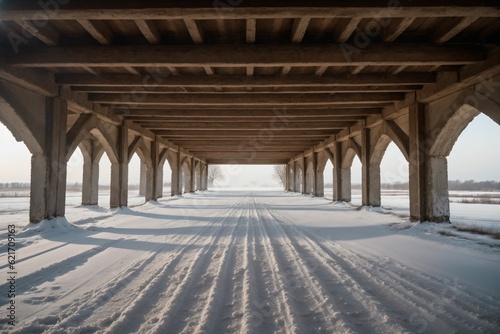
232,82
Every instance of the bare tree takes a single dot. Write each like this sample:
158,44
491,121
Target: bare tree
279,174
214,173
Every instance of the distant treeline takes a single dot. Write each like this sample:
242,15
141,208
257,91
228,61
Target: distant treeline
468,185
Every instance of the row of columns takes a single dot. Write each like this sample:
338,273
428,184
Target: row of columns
428,176
49,168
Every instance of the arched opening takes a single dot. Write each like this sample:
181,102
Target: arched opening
104,181
136,180
394,180
356,180
474,188
74,179
328,179
19,147
15,162
167,178
350,173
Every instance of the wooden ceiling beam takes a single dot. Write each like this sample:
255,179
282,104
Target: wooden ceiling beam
304,90
299,29
345,29
309,113
45,33
208,119
198,9
276,126
249,55
271,81
149,30
396,28
245,99
267,135
99,30
447,31
195,31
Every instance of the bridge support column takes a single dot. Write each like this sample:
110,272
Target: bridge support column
294,181
304,176
156,157
199,177
119,171
287,177
143,179
319,187
177,174
370,173
90,183
337,175
192,179
48,170
204,178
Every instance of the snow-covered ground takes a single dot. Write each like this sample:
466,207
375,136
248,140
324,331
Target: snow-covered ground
251,262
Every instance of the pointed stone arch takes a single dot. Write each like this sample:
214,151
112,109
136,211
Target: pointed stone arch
10,117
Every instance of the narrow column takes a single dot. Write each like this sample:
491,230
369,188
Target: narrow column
287,177
143,179
304,176
48,170
157,170
370,173
90,183
176,175
192,179
199,177
205,178
315,174
438,205
294,181
119,171
337,175
417,177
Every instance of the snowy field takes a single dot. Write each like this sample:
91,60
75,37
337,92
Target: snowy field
251,262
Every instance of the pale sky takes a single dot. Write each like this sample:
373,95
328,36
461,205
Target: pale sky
476,155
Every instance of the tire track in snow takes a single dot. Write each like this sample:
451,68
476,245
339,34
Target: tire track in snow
321,312
284,318
89,303
387,281
143,314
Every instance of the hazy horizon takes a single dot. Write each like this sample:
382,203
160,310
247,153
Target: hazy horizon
474,145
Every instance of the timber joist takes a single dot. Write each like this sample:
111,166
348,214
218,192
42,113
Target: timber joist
249,82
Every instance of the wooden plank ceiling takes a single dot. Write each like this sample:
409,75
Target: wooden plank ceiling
246,81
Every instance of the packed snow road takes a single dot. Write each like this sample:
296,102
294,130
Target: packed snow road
239,262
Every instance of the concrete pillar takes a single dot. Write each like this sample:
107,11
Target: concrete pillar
157,170
143,179
315,174
438,205
150,183
48,170
337,173
417,163
205,177
294,181
370,173
319,190
304,176
287,177
192,177
90,183
345,184
177,174
119,171
199,176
